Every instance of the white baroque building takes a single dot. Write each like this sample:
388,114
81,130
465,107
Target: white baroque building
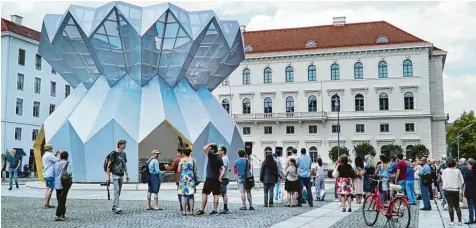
31,89
387,82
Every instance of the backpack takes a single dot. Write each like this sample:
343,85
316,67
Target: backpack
106,160
66,179
145,173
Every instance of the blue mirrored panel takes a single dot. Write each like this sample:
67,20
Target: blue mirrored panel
84,16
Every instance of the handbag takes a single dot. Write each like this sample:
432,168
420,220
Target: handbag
195,177
66,179
335,173
249,180
426,178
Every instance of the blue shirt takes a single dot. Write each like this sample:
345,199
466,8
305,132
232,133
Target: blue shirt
425,170
13,160
304,163
58,171
243,169
410,174
154,167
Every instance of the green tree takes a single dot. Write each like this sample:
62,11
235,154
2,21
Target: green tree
467,139
391,150
417,151
363,149
334,152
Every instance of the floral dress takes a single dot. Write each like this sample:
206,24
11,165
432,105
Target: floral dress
187,178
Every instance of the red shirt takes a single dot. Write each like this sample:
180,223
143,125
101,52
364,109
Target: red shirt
402,166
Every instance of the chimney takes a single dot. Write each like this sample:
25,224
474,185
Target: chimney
16,19
243,28
338,21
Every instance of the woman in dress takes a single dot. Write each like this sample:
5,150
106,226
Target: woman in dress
187,183
345,188
452,184
291,185
382,172
358,180
320,190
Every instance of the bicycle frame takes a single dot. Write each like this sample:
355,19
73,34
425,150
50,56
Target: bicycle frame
380,206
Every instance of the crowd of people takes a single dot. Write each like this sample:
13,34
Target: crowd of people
423,179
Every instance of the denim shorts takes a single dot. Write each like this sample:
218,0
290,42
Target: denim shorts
50,182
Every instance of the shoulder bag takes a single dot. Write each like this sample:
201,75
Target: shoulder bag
195,177
66,179
250,179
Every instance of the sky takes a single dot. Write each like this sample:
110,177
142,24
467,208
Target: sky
450,26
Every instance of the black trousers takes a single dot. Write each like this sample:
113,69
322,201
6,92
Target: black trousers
452,198
61,195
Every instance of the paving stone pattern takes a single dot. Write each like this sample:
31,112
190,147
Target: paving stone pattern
356,219
23,212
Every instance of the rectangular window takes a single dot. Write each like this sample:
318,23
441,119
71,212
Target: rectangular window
53,71
52,108
17,133
53,89
360,128
36,109
289,130
246,130
67,91
34,134
226,82
335,128
21,57
19,107
409,127
37,88
268,130
312,129
38,62
384,128
20,81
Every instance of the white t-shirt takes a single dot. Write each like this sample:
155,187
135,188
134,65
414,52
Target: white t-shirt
49,161
452,179
226,163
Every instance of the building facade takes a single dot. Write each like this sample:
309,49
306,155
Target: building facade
31,89
382,84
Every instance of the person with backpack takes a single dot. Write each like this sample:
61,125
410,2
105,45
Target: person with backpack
62,170
117,165
243,168
154,172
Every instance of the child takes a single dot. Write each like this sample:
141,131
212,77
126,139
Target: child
291,184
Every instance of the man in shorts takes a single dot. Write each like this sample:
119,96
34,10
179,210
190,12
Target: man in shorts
215,171
243,168
49,160
226,180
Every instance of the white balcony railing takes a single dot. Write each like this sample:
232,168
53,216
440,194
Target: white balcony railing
283,116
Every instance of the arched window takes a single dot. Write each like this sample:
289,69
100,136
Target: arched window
246,106
407,68
382,39
313,153
268,75
268,105
359,102
383,101
226,105
246,76
382,69
358,71
311,73
335,103
408,100
289,104
310,44
335,71
289,74
268,150
312,104
408,152
289,151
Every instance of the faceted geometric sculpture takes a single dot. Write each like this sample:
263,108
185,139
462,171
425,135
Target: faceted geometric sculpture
139,73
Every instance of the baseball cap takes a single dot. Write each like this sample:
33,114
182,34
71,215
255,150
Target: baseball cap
48,147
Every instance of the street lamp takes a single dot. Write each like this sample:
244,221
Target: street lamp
458,135
336,105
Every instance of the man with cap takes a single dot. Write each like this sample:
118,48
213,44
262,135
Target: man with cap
49,161
154,183
280,171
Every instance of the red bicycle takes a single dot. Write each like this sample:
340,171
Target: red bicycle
398,207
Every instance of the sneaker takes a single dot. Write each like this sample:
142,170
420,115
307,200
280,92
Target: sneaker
252,208
243,208
214,213
118,210
47,206
10,189
199,212
469,222
452,223
224,212
270,204
460,223
59,219
445,207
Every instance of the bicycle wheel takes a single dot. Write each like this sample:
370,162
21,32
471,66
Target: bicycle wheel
369,210
401,214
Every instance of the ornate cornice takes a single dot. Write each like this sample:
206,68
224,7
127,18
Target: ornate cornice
265,142
289,92
384,89
267,94
331,92
312,92
413,88
354,91
312,143
244,95
225,95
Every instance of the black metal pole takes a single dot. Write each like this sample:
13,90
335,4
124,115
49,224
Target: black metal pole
338,131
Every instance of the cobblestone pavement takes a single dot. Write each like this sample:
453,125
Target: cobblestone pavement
25,212
356,219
